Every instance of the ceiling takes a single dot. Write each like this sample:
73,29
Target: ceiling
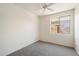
36,7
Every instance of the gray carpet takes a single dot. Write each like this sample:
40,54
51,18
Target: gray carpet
44,49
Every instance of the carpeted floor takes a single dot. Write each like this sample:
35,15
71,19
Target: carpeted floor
44,49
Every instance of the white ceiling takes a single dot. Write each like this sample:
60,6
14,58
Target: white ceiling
36,7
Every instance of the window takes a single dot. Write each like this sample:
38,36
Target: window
61,25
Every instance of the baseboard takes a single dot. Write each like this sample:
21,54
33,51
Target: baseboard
21,47
77,51
54,43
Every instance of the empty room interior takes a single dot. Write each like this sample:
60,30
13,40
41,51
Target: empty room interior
39,29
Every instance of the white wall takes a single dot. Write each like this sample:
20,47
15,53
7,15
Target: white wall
77,28
18,28
47,36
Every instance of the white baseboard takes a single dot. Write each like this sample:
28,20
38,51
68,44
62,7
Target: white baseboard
20,47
